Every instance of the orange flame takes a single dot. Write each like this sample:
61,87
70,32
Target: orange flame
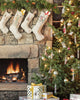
10,69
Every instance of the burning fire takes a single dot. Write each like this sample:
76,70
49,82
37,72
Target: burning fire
10,69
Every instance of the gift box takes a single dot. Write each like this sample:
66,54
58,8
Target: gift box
25,98
74,97
35,91
22,97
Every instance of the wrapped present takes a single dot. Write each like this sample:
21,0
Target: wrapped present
22,97
25,98
74,97
49,95
35,91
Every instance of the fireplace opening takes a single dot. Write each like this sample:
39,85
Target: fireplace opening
13,70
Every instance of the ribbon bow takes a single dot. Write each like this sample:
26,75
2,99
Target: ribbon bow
33,84
23,11
51,96
47,13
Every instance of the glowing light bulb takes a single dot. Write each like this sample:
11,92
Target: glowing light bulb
59,50
68,9
70,42
77,17
60,39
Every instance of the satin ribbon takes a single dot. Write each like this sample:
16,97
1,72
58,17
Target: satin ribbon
50,96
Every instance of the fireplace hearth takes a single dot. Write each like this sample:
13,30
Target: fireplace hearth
13,70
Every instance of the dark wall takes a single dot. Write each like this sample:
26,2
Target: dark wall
57,17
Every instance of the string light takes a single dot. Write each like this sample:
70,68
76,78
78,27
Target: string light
59,50
68,58
60,39
70,42
68,9
45,65
77,17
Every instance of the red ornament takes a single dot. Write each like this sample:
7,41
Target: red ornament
33,3
13,2
27,1
55,7
72,12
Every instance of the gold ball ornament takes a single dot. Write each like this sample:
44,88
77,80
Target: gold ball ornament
69,24
55,73
62,20
5,4
45,65
43,58
66,80
71,33
72,56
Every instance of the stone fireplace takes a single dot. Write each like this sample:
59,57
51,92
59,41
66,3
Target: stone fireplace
27,48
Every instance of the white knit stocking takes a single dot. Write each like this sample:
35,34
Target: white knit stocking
26,22
3,22
15,25
40,23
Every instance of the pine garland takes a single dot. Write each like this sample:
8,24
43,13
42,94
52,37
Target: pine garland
27,5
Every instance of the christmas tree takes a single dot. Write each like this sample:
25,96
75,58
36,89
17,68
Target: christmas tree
60,65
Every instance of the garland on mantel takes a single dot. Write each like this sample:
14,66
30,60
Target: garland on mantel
27,5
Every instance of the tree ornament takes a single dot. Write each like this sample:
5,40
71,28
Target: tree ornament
65,61
66,80
71,33
69,24
68,48
43,58
72,56
63,44
64,29
5,4
79,23
72,12
62,20
3,22
55,73
15,25
63,10
26,22
33,3
45,65
42,75
75,40
13,2
49,56
50,70
52,55
55,88
27,1
70,2
78,51
72,70
40,23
